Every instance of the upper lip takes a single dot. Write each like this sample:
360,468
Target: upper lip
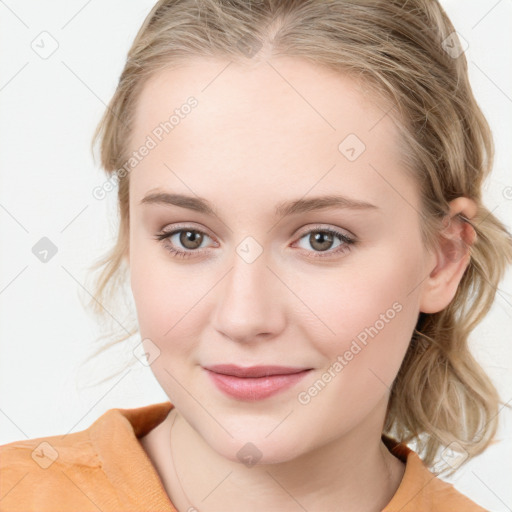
253,371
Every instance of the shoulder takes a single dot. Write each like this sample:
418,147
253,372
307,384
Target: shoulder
103,467
421,489
35,471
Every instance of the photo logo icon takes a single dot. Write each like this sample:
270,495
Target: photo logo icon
45,45
249,455
351,147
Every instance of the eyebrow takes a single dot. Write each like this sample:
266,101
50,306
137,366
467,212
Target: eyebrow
283,209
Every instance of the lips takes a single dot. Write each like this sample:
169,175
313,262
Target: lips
255,382
253,371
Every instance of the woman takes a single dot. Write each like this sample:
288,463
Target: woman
300,193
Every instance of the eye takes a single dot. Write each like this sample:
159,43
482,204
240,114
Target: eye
184,242
322,240
187,237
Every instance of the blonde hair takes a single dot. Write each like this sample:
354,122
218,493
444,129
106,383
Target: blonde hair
397,49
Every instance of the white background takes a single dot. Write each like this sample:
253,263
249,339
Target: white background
49,109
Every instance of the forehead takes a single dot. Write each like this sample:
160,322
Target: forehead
280,93
263,124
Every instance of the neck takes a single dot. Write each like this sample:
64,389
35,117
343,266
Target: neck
355,473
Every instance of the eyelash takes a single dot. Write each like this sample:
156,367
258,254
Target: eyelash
347,242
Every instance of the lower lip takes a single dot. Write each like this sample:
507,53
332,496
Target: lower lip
255,388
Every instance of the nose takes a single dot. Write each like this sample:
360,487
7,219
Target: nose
251,301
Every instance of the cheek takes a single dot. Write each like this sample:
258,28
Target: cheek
157,298
371,313
151,293
373,317
168,302
355,297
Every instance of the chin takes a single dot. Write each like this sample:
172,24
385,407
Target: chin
251,446
260,452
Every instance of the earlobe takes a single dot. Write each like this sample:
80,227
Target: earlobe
451,258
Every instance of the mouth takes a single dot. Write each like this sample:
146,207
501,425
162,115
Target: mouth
255,382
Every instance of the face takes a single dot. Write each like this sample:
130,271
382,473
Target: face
332,293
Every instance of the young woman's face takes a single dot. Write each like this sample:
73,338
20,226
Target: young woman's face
270,279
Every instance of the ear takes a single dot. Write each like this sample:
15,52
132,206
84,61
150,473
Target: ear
451,259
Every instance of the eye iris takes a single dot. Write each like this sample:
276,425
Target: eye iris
321,240
193,237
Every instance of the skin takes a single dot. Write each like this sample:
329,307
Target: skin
256,140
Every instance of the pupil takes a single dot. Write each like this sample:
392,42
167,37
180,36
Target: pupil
192,237
322,238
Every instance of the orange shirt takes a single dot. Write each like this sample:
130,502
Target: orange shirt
104,467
